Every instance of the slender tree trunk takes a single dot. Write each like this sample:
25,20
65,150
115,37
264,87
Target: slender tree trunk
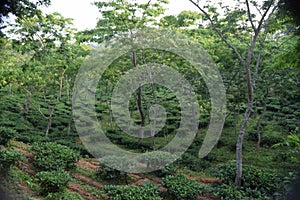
49,118
262,23
239,144
258,127
153,130
49,123
139,103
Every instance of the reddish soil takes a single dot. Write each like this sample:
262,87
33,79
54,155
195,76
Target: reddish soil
21,145
25,168
205,180
82,192
207,198
140,181
26,153
93,165
26,190
87,180
89,165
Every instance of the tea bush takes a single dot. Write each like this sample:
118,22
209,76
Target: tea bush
6,134
52,156
146,192
157,159
66,195
53,181
181,188
230,191
110,171
255,181
7,159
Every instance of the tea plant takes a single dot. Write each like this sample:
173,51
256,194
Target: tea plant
146,192
181,188
53,181
52,156
8,158
6,134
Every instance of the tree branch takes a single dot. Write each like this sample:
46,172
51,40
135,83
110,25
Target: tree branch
219,32
249,16
261,22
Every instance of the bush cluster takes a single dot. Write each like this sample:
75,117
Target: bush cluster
52,156
108,167
146,192
6,134
53,181
7,159
256,182
53,160
181,188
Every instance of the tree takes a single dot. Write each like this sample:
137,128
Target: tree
19,8
242,17
52,55
124,17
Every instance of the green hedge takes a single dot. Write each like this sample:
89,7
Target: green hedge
146,192
181,188
256,182
8,158
53,181
6,134
52,156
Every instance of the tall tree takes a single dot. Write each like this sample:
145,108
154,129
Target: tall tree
124,17
19,8
52,55
242,18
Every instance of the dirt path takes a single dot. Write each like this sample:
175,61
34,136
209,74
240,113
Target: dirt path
91,165
82,192
87,180
25,153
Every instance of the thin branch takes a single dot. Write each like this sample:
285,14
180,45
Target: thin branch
249,16
261,22
219,32
257,9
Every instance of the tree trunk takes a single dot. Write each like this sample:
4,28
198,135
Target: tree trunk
239,144
49,124
258,127
139,103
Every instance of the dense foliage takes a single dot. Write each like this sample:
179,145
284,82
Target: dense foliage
8,158
180,187
257,56
6,134
257,183
145,192
52,156
53,181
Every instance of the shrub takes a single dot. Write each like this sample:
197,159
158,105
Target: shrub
53,181
7,159
66,195
110,171
229,192
157,159
254,179
6,134
146,192
181,188
52,156
193,163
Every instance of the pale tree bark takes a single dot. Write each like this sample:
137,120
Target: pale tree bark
246,62
153,128
139,102
49,118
